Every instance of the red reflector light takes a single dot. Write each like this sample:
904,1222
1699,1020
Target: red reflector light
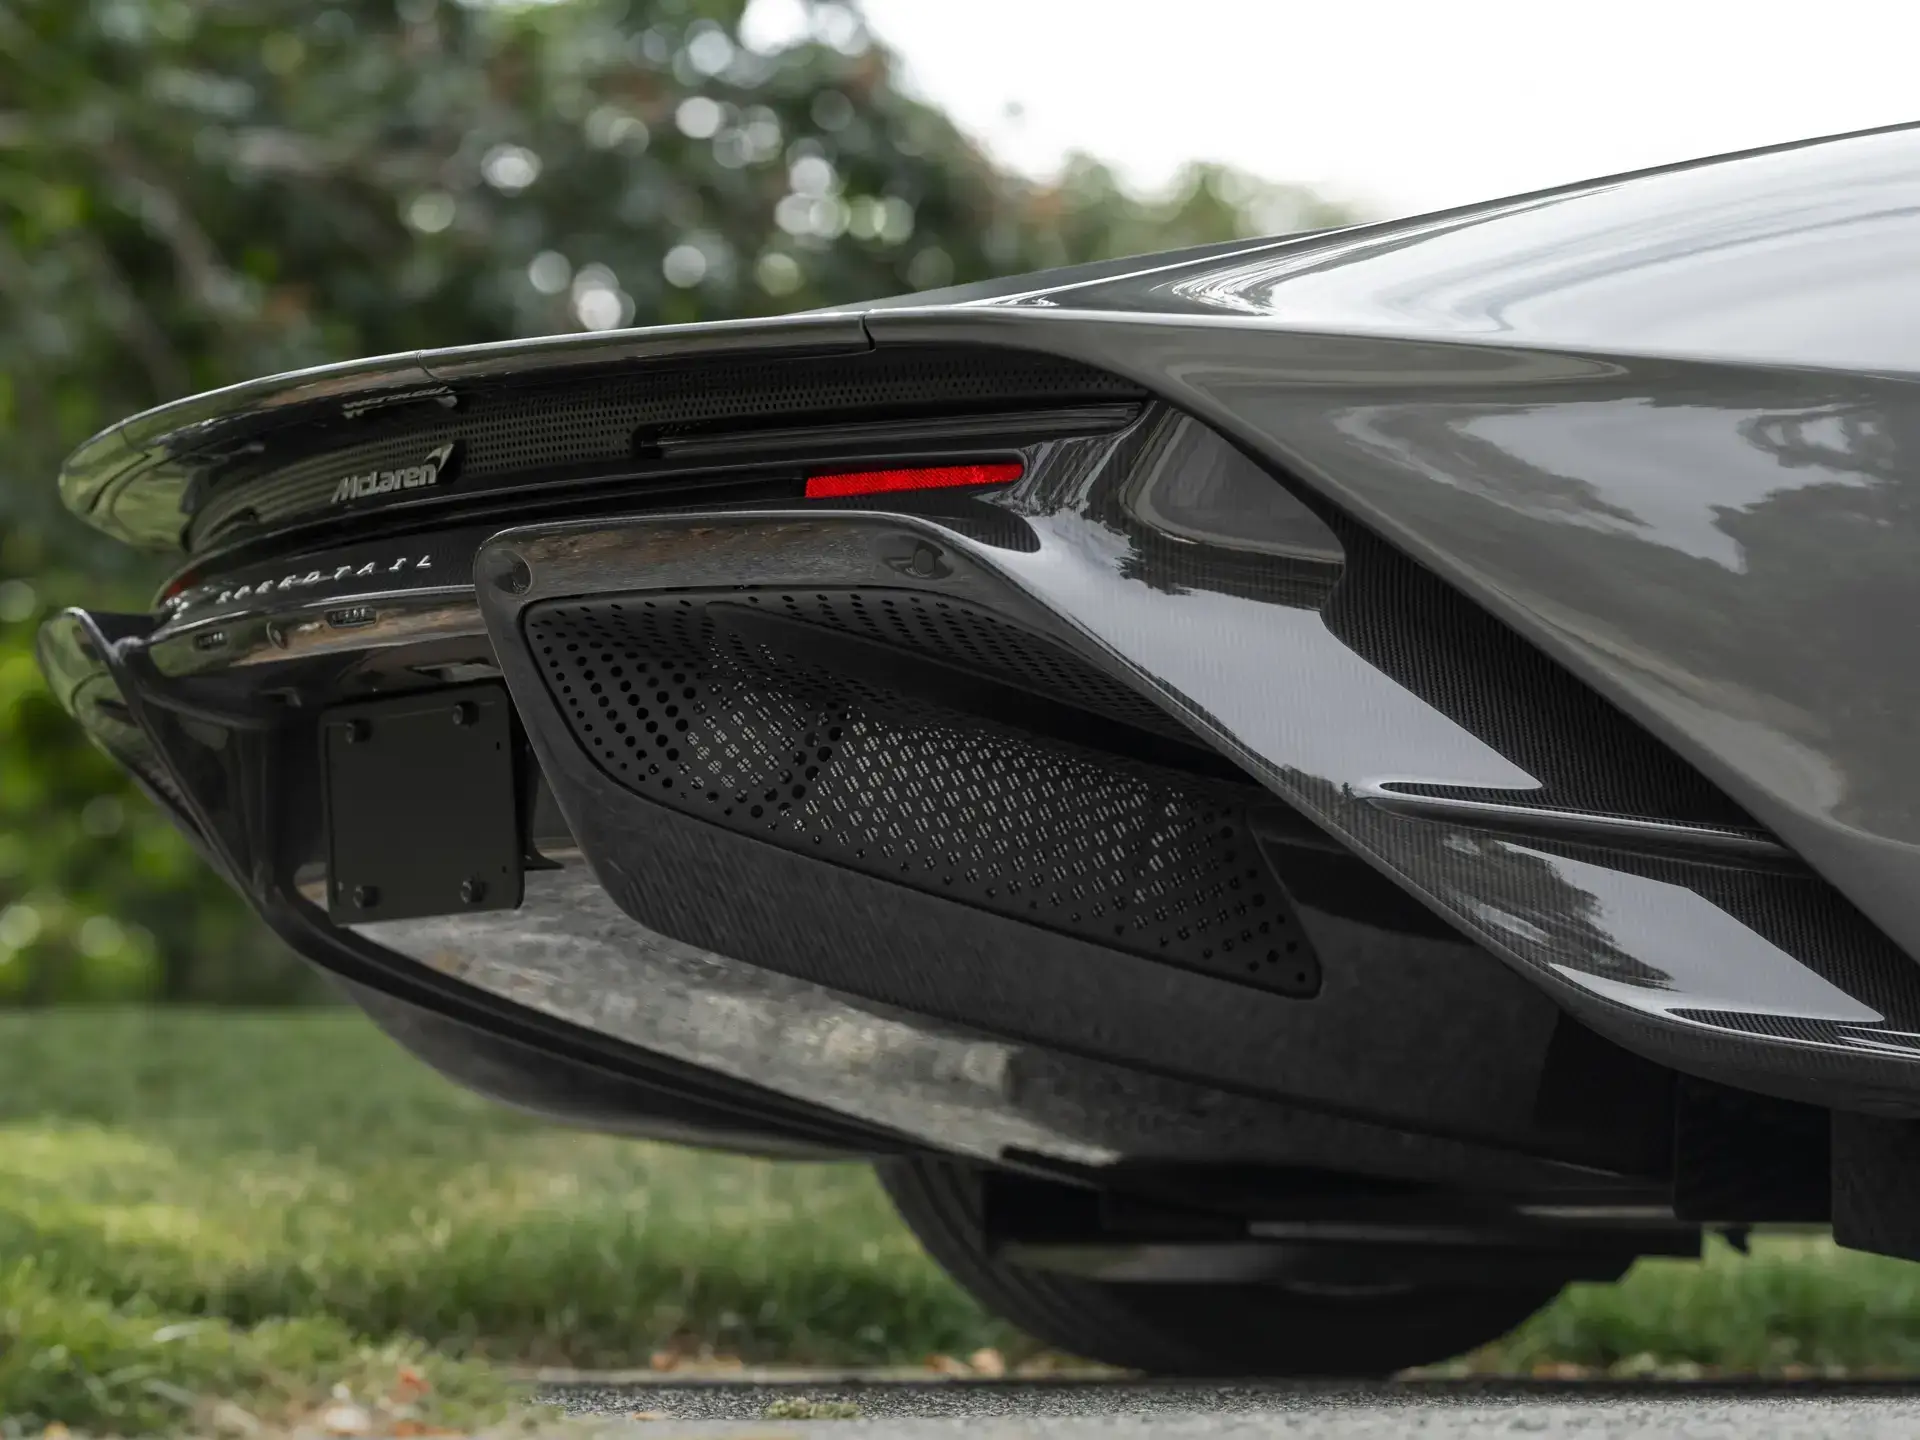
927,477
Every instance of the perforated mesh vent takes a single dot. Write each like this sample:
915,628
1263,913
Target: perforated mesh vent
975,640
743,732
597,421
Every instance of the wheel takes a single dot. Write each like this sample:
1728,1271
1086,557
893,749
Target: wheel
1217,1330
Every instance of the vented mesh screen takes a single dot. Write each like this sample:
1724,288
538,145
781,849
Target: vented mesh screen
746,732
597,421
975,640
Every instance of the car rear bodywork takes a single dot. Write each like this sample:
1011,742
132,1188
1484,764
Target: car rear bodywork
1429,700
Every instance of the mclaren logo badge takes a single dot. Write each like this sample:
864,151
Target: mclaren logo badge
436,467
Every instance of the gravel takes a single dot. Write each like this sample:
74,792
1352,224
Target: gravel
1230,1411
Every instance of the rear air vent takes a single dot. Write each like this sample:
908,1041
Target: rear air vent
973,640
626,421
1589,757
748,727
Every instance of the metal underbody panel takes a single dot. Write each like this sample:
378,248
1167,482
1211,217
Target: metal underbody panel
569,951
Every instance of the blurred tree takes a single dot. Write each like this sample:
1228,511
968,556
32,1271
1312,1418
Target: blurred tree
194,192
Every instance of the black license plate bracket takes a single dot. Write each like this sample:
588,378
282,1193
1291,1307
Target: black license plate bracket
423,812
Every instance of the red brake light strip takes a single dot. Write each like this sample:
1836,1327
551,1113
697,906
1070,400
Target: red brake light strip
926,477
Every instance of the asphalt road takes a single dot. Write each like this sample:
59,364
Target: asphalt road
1430,1411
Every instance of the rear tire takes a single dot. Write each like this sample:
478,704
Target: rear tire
1215,1330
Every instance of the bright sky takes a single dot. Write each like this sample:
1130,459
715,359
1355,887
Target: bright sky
1404,105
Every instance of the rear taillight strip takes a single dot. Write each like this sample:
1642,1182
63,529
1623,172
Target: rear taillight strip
923,477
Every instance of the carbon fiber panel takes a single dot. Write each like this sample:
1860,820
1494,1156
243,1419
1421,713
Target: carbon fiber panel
571,953
1750,970
712,1020
598,422
1478,673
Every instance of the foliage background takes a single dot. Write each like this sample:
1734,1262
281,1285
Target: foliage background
196,192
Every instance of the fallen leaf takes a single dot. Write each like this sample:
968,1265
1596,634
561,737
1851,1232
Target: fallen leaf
648,1415
989,1362
341,1418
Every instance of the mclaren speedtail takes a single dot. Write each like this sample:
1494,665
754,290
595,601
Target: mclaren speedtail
1294,797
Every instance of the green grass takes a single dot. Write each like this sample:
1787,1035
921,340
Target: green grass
1797,1306
158,1166
129,1368
261,1206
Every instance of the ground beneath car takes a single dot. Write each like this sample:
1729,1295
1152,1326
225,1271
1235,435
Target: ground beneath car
221,1216
1436,1410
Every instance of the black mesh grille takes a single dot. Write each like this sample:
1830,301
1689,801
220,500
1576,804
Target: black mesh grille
748,733
975,640
602,420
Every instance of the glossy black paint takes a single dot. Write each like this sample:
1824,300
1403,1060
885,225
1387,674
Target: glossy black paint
565,1006
135,480
1393,1004
1759,976
1798,257
1766,662
1658,426
233,766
